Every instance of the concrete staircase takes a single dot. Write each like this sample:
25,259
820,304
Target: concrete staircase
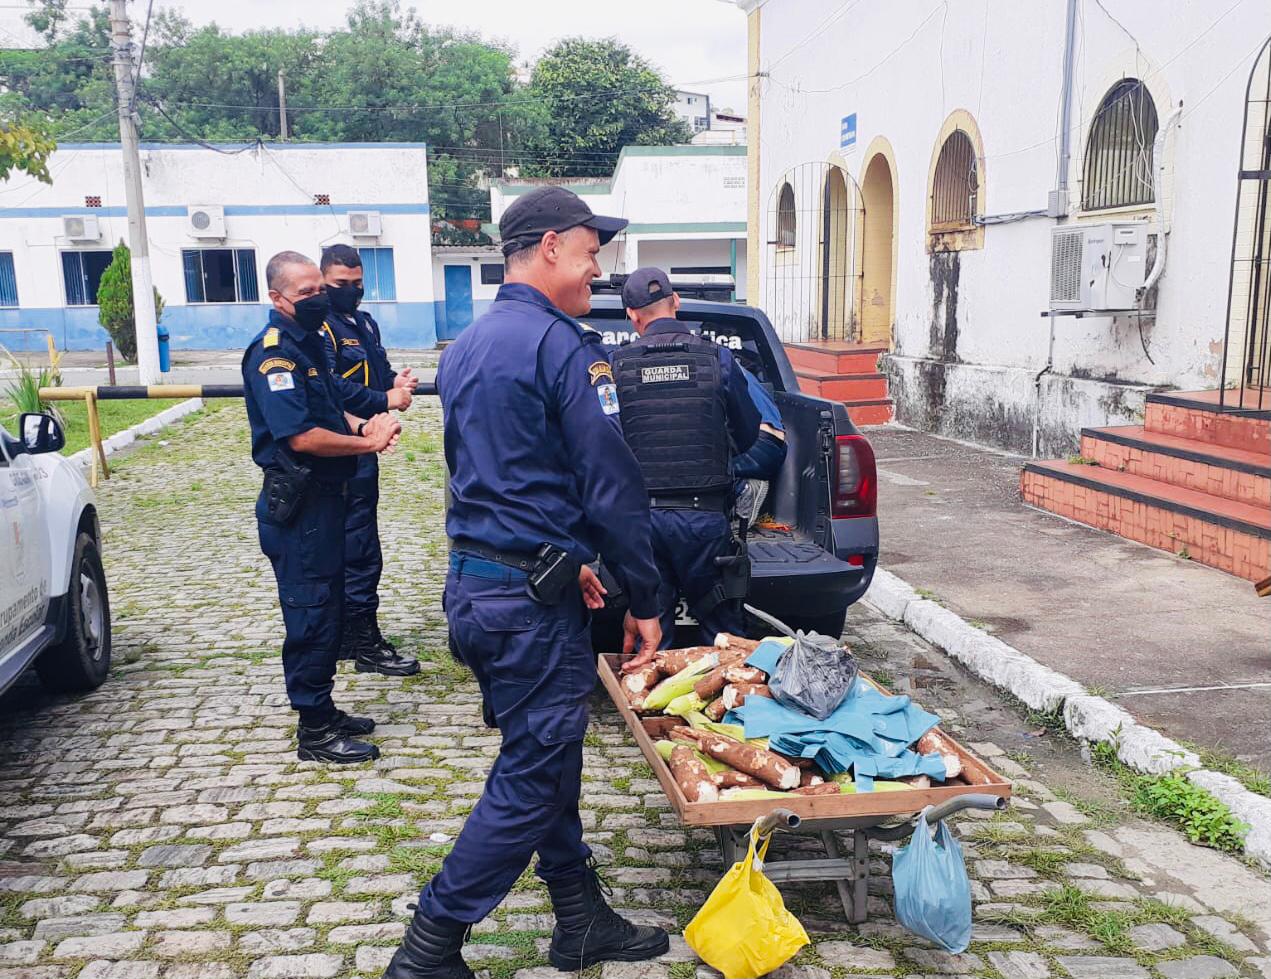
845,372
1191,479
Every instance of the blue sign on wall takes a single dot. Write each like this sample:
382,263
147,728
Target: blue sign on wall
847,132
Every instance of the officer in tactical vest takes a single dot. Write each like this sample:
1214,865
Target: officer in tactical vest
686,412
302,440
370,386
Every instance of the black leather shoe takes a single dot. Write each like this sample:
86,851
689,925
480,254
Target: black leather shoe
330,743
375,660
378,638
353,726
430,950
589,931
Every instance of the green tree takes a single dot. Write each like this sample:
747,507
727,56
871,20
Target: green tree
114,303
25,147
597,97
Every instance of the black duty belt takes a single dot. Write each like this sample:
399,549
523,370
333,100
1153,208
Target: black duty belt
331,487
512,559
715,502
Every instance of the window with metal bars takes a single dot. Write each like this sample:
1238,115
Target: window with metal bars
8,280
220,275
785,217
1118,165
955,188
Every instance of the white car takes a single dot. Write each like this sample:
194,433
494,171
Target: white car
54,610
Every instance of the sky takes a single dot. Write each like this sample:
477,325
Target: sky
689,40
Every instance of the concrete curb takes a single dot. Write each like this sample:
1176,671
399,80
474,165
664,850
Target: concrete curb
155,423
1087,718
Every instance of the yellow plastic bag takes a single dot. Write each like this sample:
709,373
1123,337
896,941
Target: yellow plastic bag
744,929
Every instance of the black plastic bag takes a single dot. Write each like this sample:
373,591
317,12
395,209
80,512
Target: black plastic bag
814,674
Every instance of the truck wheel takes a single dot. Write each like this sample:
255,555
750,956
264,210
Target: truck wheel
82,659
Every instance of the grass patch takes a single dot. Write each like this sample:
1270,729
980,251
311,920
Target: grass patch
1172,798
1218,761
115,416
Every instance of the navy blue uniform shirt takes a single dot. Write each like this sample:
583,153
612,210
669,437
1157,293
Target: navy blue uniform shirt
743,416
533,443
290,389
358,359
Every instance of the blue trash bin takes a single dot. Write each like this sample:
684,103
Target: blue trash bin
165,359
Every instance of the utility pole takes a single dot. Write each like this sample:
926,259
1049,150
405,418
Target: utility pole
282,105
138,243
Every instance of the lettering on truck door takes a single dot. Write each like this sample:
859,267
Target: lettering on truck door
24,557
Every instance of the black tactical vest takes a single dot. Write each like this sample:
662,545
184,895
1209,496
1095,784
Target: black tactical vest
673,413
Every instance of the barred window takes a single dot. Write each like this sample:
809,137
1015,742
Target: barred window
956,186
785,217
1118,164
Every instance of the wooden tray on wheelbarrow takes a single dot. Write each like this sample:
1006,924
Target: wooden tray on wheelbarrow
867,815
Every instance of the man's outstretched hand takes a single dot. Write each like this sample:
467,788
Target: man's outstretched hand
649,634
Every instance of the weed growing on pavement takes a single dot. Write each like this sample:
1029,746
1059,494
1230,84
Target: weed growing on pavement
1080,460
1174,799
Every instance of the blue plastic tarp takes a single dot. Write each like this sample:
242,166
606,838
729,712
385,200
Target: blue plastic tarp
868,734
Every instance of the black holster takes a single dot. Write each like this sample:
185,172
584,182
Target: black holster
734,572
287,482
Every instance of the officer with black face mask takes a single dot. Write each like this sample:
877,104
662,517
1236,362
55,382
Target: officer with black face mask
302,439
369,386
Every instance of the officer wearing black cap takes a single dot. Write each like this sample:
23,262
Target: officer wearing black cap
541,483
370,386
302,440
686,412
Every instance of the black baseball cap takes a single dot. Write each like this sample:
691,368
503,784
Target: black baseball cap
547,209
644,287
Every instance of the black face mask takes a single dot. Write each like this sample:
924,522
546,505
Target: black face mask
311,311
345,299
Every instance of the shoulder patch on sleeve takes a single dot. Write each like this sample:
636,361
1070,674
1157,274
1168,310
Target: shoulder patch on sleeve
608,395
273,362
282,381
313,372
600,371
271,338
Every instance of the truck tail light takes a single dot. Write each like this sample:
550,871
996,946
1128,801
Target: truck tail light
855,479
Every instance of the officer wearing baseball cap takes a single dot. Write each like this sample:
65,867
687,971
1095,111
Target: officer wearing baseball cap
541,482
686,412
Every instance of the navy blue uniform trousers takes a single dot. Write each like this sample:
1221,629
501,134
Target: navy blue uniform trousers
685,545
308,560
363,559
535,668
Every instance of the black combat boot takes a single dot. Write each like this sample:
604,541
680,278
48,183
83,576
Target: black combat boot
589,931
377,637
430,950
355,636
353,726
360,634
331,743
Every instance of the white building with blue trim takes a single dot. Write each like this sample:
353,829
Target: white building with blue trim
215,216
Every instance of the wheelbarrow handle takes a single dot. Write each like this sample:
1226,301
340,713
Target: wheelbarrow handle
778,818
977,800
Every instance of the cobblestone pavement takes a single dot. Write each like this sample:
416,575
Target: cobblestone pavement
162,827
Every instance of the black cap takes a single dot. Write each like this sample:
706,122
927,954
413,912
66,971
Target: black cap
644,287
547,209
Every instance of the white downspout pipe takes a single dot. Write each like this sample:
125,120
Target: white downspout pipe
1158,191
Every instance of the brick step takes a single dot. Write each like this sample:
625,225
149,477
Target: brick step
835,357
1219,470
1232,536
878,412
1196,415
842,387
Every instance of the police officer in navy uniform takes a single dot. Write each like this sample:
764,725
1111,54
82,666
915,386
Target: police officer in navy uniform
370,387
542,482
302,440
686,412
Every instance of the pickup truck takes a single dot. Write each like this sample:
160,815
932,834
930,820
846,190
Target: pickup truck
54,609
822,558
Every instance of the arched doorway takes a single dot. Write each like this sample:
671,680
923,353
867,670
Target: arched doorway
877,292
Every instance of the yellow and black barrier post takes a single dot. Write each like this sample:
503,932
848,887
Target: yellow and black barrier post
132,392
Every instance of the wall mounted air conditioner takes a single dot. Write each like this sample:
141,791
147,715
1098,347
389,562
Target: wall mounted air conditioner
1097,268
81,227
364,224
205,221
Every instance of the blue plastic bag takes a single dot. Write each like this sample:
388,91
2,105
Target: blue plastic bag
933,893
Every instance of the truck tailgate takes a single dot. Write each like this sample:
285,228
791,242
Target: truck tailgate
790,572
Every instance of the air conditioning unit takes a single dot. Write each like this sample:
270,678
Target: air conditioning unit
81,227
205,221
365,224
1097,268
